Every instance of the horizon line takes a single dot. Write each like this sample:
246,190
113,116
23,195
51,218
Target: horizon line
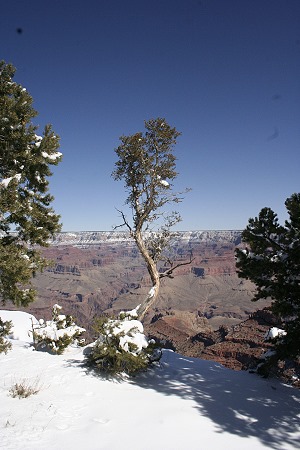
126,231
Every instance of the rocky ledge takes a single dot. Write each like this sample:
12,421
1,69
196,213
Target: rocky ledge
239,347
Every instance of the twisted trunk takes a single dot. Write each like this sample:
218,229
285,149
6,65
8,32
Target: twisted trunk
154,275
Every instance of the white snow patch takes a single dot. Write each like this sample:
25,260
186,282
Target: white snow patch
164,183
131,331
22,324
53,157
273,333
5,182
152,291
185,403
133,313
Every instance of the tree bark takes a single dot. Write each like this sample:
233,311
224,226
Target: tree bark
154,275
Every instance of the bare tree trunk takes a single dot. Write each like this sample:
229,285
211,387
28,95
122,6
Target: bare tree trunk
154,275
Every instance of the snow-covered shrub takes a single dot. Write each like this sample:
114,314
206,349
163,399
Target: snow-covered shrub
57,334
122,346
269,359
5,329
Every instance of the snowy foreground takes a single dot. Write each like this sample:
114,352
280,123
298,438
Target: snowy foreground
184,403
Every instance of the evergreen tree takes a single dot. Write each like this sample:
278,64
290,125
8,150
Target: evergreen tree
55,335
147,165
272,262
5,329
26,217
122,346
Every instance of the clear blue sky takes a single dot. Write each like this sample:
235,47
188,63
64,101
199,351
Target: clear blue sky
226,73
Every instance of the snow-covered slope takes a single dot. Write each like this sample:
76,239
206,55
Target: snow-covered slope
83,238
183,404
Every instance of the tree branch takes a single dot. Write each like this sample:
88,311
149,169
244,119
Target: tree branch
125,222
169,272
266,237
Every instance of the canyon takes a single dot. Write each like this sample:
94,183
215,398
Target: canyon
198,312
102,272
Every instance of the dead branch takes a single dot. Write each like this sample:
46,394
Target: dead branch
125,222
169,272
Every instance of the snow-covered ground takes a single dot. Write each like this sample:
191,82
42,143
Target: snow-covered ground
184,403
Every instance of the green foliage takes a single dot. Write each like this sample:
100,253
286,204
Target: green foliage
272,262
268,367
55,335
26,217
122,347
145,160
147,165
5,329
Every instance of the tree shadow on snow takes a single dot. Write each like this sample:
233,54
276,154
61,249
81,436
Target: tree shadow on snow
91,370
237,402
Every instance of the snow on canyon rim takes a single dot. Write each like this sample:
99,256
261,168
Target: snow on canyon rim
184,403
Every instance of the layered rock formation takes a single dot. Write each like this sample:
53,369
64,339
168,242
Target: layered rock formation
238,347
102,272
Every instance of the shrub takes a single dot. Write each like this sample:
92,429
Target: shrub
122,346
24,389
57,334
5,329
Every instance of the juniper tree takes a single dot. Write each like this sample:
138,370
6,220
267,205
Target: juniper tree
27,219
272,262
122,346
55,335
147,165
